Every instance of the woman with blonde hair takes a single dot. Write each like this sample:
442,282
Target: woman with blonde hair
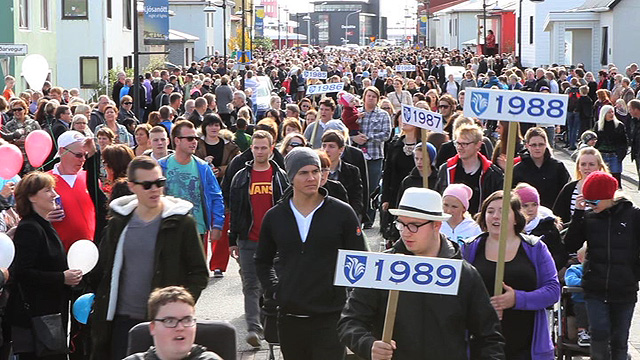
589,160
292,141
612,140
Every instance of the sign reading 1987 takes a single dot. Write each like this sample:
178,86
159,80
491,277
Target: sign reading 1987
398,272
518,106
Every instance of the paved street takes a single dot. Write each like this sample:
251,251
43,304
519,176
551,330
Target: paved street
222,300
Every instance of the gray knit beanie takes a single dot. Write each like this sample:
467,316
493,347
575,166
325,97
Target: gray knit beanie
298,158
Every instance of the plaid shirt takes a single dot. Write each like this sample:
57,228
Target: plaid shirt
376,125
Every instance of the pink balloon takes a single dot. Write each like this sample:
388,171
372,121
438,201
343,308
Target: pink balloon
11,161
38,146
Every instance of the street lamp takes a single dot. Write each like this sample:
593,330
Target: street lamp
346,26
307,18
223,4
520,30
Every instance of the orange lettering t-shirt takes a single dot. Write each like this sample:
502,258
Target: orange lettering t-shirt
261,194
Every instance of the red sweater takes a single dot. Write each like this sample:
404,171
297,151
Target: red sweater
79,222
350,117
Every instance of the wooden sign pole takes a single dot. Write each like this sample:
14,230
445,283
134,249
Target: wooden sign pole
392,301
506,207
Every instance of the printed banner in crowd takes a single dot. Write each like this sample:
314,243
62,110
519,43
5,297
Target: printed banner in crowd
259,25
156,22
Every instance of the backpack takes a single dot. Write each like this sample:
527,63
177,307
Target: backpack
574,98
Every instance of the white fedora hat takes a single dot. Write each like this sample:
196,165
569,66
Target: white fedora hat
421,203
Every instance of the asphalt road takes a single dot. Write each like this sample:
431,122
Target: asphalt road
223,300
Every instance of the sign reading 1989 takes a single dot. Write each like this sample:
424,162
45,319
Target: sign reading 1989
519,106
398,272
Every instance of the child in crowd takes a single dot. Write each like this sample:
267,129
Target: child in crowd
573,277
241,138
350,114
9,82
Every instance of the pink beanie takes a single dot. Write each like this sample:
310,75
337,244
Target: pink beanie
459,191
528,194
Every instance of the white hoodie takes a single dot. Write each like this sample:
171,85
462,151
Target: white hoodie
465,230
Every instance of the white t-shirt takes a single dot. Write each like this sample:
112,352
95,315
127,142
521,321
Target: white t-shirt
304,222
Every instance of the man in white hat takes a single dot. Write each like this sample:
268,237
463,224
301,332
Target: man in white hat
427,325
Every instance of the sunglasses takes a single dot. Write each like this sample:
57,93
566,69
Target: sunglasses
77,155
443,106
188,138
592,202
295,144
148,184
127,103
18,109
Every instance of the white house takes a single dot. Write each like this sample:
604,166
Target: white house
197,18
91,40
535,41
595,33
457,26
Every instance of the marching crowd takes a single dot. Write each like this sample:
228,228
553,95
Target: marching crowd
172,181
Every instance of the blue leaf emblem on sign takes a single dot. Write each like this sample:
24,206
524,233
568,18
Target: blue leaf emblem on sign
479,102
354,267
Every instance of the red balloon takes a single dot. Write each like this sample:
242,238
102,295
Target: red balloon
38,147
11,161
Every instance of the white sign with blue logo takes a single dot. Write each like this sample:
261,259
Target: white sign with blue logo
518,106
398,272
314,74
422,118
325,88
405,68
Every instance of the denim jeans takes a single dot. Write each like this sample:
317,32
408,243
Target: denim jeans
251,288
573,127
609,327
375,173
611,159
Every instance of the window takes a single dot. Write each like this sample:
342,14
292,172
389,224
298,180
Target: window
109,63
44,14
127,62
530,29
89,72
75,9
604,59
109,10
24,14
450,32
126,13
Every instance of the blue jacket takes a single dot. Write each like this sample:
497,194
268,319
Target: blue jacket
547,293
209,187
495,81
573,277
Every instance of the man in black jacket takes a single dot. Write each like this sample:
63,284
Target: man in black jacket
306,230
254,190
348,175
426,325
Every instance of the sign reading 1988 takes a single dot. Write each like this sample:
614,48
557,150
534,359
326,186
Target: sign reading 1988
518,106
398,272
325,88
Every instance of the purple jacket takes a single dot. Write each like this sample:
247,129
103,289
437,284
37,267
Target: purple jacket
547,293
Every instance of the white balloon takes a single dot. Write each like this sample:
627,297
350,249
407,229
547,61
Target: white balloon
7,251
83,255
35,70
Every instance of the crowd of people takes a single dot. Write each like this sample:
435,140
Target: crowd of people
172,182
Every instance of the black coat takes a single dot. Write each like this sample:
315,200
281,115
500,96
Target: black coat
350,178
427,325
550,235
240,200
336,190
634,136
355,157
237,164
612,266
38,272
562,205
397,166
612,139
548,179
304,282
57,129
